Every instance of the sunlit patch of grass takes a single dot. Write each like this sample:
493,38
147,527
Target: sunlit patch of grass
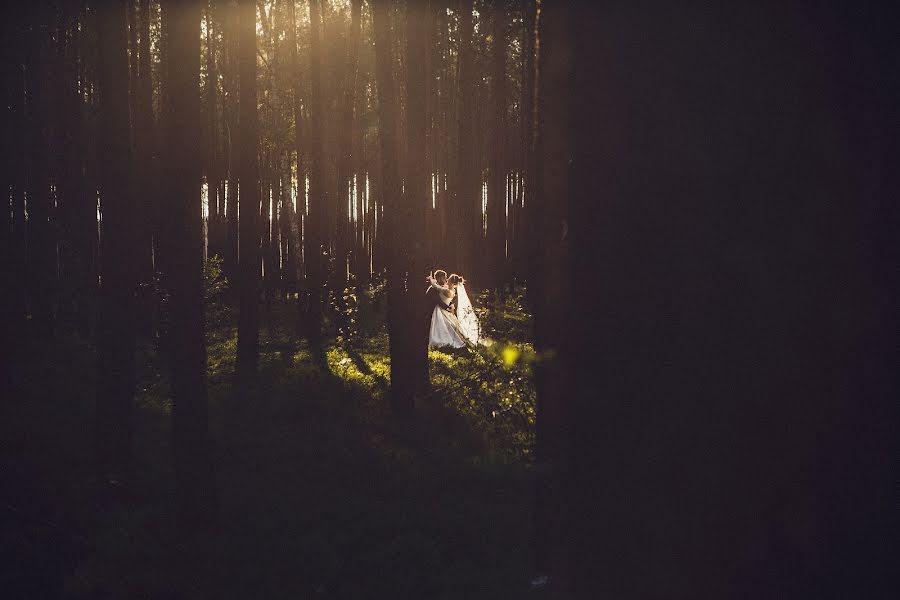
492,388
340,364
368,368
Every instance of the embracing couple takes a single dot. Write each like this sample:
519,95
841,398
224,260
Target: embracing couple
453,322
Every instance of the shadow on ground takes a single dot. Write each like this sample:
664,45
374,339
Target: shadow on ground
322,493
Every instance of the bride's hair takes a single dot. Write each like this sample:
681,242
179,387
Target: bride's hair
456,279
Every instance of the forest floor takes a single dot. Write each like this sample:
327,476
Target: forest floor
322,493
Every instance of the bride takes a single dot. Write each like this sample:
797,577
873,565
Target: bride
448,329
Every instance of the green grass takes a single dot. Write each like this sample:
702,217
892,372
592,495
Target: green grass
322,492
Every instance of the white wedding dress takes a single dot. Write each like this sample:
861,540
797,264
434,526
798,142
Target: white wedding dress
449,330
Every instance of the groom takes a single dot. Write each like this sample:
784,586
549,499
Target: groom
433,297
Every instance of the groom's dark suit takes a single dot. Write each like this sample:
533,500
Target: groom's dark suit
432,299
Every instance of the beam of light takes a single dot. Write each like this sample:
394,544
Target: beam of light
433,190
484,207
356,198
204,198
225,198
507,196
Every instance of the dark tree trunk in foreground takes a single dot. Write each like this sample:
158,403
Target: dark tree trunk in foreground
416,198
313,233
146,137
467,193
732,394
345,146
248,175
12,301
549,279
403,368
230,33
149,188
522,248
298,212
496,192
41,247
76,206
213,176
195,490
115,387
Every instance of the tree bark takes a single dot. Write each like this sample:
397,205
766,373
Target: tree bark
468,192
213,176
345,148
298,211
417,198
317,199
730,349
195,490
248,176
41,249
75,204
115,390
13,300
403,367
147,168
496,192
230,108
526,246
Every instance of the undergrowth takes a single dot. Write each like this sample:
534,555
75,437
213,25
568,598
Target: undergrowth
322,492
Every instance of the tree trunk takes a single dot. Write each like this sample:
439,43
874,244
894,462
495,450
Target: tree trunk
404,371
417,199
148,189
313,233
552,188
468,189
214,201
115,389
269,230
742,402
41,238
496,192
345,146
232,137
13,300
76,206
248,320
526,249
299,147
195,490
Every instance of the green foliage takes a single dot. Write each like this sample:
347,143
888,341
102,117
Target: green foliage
492,388
348,321
215,290
504,318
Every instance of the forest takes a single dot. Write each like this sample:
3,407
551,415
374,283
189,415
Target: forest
676,222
